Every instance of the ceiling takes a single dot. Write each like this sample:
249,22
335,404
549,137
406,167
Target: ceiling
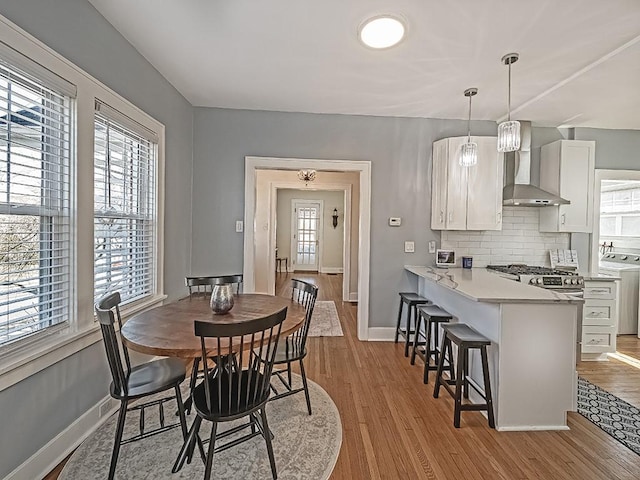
579,59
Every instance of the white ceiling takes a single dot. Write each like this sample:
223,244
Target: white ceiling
579,59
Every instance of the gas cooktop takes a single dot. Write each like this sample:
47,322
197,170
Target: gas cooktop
519,269
544,277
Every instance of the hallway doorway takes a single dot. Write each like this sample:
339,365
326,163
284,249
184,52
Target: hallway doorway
260,218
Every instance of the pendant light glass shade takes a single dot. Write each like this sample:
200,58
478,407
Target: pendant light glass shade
509,136
509,131
468,155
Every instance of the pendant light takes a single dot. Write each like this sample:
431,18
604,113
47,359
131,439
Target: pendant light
469,149
509,131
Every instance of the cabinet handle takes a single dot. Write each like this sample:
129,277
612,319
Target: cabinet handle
441,216
450,217
596,314
499,217
594,341
563,218
599,290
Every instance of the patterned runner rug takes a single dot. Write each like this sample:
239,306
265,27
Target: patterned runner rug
325,321
305,447
618,418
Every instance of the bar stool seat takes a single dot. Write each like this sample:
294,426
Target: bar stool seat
412,300
465,338
433,316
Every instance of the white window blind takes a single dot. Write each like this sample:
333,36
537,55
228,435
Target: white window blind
125,207
35,242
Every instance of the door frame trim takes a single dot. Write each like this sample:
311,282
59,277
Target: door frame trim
363,167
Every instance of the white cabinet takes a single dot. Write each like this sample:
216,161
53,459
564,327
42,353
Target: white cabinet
567,168
466,198
599,319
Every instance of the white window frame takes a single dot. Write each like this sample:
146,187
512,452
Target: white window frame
31,355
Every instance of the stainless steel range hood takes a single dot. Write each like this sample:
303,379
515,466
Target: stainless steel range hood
518,190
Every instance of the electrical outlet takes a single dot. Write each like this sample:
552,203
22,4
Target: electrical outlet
432,246
239,226
409,247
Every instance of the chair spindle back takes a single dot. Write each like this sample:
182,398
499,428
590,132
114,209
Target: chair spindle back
247,347
105,308
203,285
305,294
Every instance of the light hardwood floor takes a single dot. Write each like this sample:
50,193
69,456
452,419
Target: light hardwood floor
393,428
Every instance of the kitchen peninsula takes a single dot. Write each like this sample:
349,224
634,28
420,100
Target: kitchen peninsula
532,357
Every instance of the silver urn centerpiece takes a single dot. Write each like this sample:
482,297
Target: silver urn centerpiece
221,298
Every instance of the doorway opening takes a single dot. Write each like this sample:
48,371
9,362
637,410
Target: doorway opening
262,181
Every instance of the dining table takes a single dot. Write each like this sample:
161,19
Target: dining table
168,330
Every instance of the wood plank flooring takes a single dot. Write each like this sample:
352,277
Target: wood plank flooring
393,428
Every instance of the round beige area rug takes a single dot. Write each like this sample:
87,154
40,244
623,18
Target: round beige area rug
305,446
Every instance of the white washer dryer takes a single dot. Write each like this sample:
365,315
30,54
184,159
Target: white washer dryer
627,267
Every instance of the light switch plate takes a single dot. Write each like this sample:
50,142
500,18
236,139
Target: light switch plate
432,246
395,221
409,247
239,226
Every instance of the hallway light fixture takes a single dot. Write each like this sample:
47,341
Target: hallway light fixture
307,176
335,217
509,131
469,149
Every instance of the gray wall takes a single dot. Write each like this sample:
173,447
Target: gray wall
615,149
398,148
38,408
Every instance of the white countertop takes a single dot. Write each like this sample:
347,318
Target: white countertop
481,285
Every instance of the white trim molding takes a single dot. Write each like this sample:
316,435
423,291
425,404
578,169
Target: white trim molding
363,168
331,270
353,297
381,334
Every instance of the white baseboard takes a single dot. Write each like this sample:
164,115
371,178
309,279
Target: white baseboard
381,334
56,450
331,270
353,296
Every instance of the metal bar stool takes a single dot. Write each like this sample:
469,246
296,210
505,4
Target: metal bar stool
433,316
412,300
465,338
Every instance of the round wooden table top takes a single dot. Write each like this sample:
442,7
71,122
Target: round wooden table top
168,330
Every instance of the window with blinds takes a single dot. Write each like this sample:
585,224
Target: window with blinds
35,241
125,206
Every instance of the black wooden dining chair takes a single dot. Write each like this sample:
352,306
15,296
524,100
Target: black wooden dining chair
294,347
132,383
234,389
203,285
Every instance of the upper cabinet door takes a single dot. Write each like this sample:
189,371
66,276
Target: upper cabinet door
484,197
456,212
567,168
439,166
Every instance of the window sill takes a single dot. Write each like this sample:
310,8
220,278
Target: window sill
17,365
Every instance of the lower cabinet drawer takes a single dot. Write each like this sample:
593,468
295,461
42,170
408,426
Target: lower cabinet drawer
600,290
598,313
598,340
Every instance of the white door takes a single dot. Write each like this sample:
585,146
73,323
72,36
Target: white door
306,229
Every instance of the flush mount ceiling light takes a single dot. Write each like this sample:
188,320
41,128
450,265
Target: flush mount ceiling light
509,131
380,32
307,175
469,149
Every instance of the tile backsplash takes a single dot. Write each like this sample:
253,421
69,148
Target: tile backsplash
519,241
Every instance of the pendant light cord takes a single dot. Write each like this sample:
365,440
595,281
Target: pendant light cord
509,96
469,121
